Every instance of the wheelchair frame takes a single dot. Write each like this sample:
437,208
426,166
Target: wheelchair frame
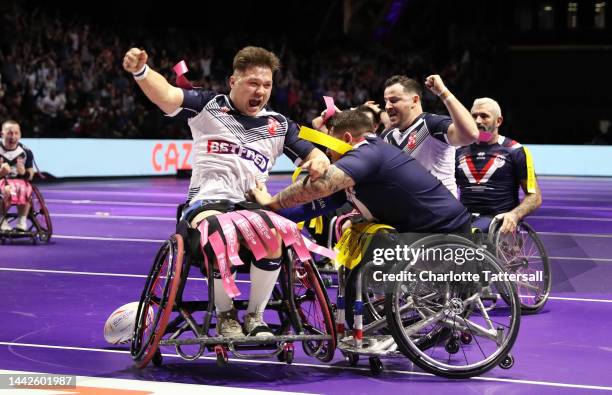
172,265
38,231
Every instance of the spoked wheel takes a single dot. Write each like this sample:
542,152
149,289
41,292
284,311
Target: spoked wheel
523,253
39,215
157,301
314,310
433,313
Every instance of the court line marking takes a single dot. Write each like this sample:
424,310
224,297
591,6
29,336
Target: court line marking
310,365
567,218
100,238
109,216
119,193
11,269
106,215
114,203
576,208
584,258
593,235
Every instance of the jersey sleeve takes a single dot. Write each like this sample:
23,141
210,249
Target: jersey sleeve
520,163
438,126
294,147
194,101
360,164
29,162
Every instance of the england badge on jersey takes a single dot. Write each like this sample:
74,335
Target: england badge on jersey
272,125
500,161
412,141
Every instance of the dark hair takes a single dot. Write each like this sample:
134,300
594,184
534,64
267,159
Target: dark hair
255,56
367,109
410,85
353,121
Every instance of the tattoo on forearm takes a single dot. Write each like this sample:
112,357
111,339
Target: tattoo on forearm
332,181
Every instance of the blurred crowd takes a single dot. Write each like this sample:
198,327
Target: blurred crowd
62,77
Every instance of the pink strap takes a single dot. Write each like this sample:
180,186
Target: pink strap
317,249
20,190
231,239
181,81
291,235
340,220
331,109
253,241
262,229
203,228
226,276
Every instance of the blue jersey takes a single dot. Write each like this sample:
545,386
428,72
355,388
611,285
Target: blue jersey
427,141
232,151
489,176
393,188
21,154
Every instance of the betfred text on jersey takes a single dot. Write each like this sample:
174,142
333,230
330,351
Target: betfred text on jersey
225,147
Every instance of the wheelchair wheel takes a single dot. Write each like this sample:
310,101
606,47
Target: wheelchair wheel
314,310
39,216
158,296
439,301
523,253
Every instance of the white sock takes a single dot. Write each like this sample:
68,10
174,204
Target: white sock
262,284
223,302
22,221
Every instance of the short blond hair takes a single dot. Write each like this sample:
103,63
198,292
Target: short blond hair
9,122
490,103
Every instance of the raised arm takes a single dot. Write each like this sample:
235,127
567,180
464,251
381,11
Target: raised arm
463,130
167,97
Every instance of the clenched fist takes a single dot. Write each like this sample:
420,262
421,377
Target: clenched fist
435,85
134,60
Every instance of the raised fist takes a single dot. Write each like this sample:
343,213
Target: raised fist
134,60
435,85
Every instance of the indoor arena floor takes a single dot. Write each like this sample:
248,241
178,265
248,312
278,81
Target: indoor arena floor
56,297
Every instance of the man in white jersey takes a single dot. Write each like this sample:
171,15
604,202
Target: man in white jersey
431,139
236,142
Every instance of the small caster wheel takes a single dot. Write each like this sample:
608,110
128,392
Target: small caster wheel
376,366
327,281
466,338
507,362
158,359
352,359
221,356
288,353
452,346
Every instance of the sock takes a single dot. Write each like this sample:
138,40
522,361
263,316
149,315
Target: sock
22,221
262,284
223,302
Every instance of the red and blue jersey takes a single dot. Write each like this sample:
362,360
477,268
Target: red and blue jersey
489,175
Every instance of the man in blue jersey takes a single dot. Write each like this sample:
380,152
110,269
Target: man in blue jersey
431,139
380,181
16,170
237,139
490,172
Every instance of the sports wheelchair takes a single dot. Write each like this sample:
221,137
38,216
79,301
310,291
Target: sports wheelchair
446,327
166,318
40,228
522,252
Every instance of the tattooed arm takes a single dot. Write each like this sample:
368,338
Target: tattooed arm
332,181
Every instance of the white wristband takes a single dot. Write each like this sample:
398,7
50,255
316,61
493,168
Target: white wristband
142,73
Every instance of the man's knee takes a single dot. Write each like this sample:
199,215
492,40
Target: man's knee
202,216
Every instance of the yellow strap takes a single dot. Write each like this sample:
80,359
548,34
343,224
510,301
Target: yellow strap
325,140
352,244
531,179
295,174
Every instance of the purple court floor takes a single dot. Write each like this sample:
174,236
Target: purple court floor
55,299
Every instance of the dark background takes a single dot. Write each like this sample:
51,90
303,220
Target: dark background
547,62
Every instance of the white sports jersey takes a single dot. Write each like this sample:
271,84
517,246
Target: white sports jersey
232,150
426,141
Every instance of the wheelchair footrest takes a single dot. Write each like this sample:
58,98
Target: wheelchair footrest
374,346
205,340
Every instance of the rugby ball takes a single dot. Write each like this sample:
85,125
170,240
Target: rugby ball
119,326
